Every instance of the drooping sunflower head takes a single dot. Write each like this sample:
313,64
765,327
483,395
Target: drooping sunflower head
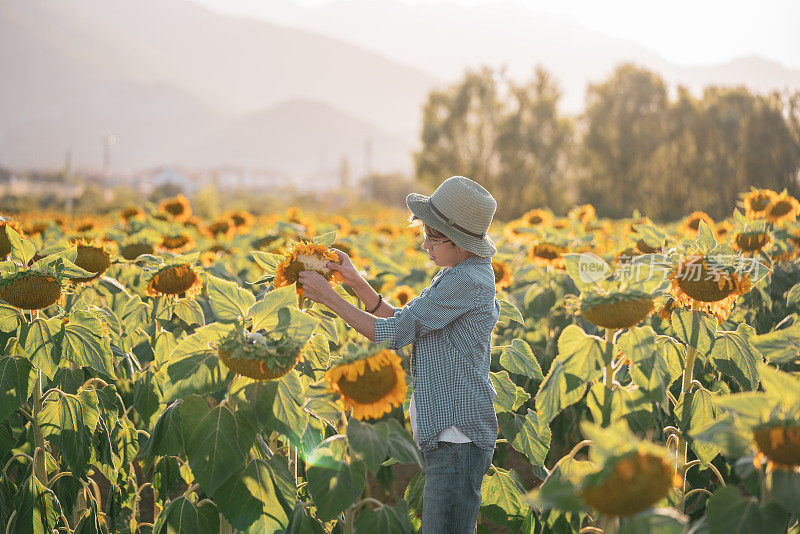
698,283
93,256
783,208
132,212
175,280
691,224
30,290
306,257
503,277
537,217
132,251
258,356
635,482
177,243
403,294
616,310
756,202
780,442
176,209
583,214
547,254
518,232
371,385
752,241
242,220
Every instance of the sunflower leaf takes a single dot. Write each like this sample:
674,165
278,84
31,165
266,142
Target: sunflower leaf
228,301
519,358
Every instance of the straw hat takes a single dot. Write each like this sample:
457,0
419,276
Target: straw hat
462,210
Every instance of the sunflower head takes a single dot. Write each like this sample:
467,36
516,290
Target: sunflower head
584,213
503,277
132,212
306,257
30,290
546,254
617,310
92,256
722,230
258,356
636,482
536,217
176,209
221,228
133,250
371,385
700,284
242,220
780,442
175,280
516,232
177,243
783,208
692,223
403,294
756,202
751,241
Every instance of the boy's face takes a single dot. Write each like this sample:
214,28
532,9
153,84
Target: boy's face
442,251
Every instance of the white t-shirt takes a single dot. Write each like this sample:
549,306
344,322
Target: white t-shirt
451,433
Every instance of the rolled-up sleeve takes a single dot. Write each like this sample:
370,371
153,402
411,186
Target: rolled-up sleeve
436,308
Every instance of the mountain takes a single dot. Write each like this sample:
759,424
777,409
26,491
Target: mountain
308,138
163,74
446,37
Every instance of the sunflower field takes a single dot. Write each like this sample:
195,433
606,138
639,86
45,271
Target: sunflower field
164,373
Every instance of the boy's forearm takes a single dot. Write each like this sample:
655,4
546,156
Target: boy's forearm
369,297
359,319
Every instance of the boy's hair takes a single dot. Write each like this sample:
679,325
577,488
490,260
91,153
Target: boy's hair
416,222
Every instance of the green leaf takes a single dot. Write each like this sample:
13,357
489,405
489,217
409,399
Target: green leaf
333,483
249,499
786,490
582,354
655,521
287,406
510,312
752,404
695,329
182,516
214,447
264,312
529,434
316,354
85,344
705,238
165,342
267,261
166,439
327,324
519,358
68,423
779,346
15,374
610,405
401,445
38,510
649,368
727,512
385,519
325,239
10,318
193,367
228,301
724,434
190,312
147,392
508,392
558,491
780,387
587,270
502,489
696,410
367,443
793,296
735,357
41,344
22,250
302,523
558,391
295,324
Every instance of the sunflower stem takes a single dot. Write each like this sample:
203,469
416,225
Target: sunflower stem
39,467
682,450
608,370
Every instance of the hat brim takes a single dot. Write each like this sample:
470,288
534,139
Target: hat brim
420,206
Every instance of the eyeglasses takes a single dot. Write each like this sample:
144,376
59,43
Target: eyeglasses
434,243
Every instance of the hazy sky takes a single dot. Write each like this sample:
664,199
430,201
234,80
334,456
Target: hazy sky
691,32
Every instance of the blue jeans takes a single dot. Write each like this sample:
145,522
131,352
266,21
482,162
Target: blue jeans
452,495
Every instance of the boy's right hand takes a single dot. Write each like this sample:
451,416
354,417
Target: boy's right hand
350,274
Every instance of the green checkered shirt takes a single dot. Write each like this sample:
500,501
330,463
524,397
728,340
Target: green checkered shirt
450,324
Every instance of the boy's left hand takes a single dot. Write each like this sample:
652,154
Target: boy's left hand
315,287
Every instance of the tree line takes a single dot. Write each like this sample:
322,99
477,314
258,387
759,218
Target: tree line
635,146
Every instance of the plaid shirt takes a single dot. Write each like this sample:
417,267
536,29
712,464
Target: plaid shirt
450,324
